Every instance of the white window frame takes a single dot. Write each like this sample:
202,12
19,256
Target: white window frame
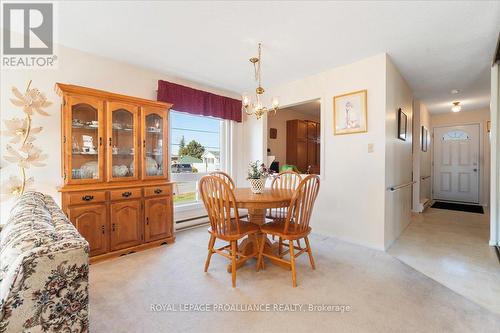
195,211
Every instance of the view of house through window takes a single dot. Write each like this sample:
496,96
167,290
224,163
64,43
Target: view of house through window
195,151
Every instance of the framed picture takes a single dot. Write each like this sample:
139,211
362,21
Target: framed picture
402,125
425,139
273,133
349,113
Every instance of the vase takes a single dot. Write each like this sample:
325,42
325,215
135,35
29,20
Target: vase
257,185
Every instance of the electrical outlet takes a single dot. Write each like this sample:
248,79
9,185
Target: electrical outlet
371,147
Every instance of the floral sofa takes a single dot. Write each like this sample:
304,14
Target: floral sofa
43,269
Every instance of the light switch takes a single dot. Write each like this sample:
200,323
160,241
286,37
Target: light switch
371,147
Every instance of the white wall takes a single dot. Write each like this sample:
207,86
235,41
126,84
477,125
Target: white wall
421,160
278,121
350,204
398,155
251,147
79,68
472,117
425,157
495,156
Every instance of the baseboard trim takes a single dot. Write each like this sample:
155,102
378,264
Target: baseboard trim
131,250
497,250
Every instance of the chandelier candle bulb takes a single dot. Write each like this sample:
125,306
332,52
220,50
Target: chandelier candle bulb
246,100
275,102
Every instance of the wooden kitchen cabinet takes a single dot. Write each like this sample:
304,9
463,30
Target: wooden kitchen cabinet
157,210
91,222
126,224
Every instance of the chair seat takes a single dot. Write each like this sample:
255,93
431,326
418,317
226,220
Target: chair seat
246,228
277,227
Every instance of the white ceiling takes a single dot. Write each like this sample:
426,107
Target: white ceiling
437,46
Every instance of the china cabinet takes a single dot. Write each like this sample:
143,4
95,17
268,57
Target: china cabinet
115,170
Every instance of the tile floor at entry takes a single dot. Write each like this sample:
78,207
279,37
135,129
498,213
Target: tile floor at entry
452,248
386,295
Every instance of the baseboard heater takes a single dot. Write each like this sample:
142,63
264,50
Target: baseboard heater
191,222
194,222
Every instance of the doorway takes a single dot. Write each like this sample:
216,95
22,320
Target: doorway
456,163
294,138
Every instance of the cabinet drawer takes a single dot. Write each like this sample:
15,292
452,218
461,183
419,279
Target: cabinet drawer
155,191
126,193
86,197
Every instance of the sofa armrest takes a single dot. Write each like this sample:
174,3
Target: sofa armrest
49,291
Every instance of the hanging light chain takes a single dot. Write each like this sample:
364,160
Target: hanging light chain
257,108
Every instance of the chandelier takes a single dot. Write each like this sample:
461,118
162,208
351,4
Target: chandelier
456,107
256,107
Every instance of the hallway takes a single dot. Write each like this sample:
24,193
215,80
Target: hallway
451,247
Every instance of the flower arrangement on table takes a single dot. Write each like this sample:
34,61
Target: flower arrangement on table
257,175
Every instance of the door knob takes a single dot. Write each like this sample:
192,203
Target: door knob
475,170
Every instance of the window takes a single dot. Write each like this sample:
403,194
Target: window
455,135
197,148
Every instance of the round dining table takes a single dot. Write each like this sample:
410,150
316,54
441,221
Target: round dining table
257,204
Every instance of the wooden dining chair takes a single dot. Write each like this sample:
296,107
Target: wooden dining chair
225,223
224,176
243,214
294,227
285,180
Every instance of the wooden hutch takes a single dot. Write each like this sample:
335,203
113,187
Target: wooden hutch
116,170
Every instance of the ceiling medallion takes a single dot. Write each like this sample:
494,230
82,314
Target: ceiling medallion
255,107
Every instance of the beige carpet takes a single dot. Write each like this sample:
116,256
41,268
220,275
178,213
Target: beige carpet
452,248
385,294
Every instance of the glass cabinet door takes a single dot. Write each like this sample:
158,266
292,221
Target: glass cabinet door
122,121
154,145
84,140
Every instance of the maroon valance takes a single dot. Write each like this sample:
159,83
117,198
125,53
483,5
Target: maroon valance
199,102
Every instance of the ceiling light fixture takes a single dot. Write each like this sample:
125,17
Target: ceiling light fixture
256,107
456,107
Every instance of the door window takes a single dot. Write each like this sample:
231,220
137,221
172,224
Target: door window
456,135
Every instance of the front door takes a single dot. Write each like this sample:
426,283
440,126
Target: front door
456,163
